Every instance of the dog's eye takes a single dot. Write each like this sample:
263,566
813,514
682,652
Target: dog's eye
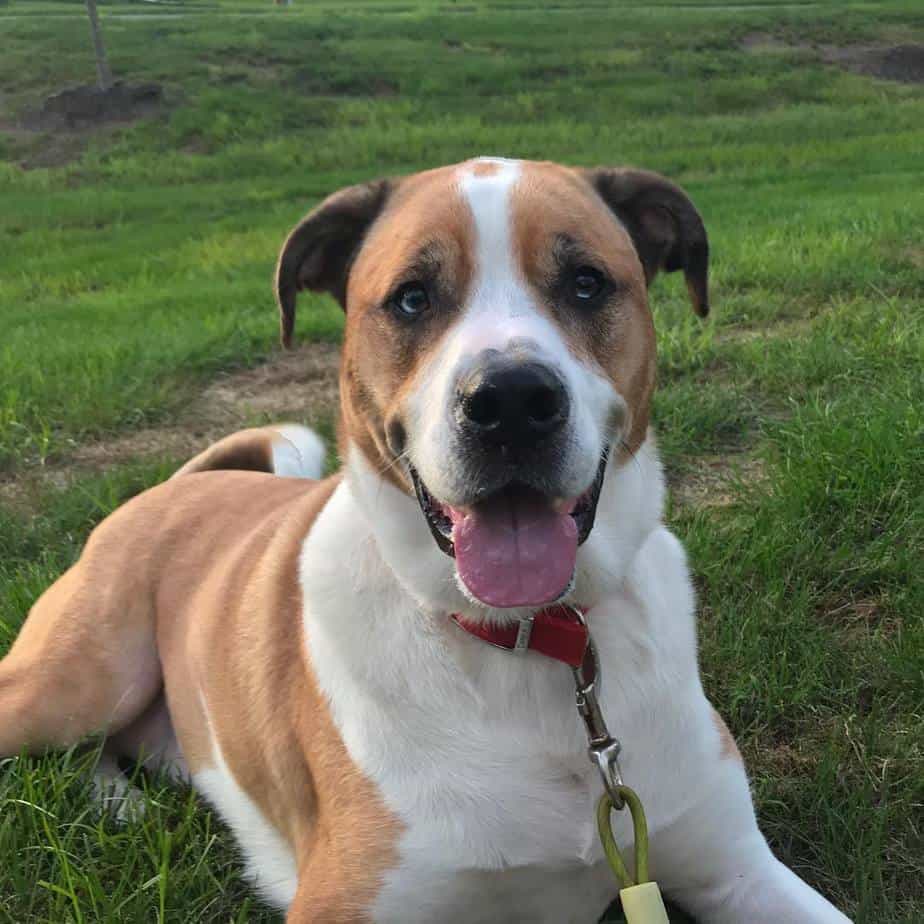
411,300
587,282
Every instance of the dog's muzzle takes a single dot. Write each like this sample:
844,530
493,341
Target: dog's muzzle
516,533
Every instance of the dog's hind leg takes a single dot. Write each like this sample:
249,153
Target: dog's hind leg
150,743
86,659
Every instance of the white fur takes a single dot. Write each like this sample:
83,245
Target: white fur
297,452
114,793
481,754
270,861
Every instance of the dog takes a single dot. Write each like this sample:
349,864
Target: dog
324,657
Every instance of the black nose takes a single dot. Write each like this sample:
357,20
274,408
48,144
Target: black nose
512,403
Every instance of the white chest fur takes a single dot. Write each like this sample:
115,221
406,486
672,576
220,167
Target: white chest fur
481,753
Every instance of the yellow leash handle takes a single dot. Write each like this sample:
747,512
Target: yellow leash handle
641,898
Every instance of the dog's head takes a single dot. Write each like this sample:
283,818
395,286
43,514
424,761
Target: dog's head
498,346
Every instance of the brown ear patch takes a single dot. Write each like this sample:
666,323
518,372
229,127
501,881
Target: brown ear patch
320,250
665,226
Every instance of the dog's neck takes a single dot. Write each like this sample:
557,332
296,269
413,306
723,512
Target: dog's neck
630,507
379,595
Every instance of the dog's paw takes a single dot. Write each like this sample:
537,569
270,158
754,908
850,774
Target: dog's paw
114,795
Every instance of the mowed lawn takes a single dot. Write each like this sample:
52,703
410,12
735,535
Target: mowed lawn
136,268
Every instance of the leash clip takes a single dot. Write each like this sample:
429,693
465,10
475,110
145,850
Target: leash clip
603,749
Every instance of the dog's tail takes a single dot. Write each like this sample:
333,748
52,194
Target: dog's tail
289,450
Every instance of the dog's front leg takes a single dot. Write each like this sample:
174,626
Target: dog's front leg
714,862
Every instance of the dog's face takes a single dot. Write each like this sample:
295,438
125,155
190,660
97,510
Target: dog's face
498,347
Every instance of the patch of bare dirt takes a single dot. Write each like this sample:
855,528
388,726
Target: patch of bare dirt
859,620
714,482
791,327
298,386
783,759
86,106
915,256
37,149
902,62
355,85
57,132
765,42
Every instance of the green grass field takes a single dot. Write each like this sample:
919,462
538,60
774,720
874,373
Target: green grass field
134,275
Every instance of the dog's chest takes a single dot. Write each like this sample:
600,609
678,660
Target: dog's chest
494,804
494,830
492,785
413,894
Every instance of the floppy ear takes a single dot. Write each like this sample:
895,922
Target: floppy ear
665,227
319,251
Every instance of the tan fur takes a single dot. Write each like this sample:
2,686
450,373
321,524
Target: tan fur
426,227
246,451
729,747
206,564
483,167
550,201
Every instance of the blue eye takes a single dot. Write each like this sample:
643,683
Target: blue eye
588,283
411,300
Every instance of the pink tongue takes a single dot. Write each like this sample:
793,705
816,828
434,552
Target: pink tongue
518,552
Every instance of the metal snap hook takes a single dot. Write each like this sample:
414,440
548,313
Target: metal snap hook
603,749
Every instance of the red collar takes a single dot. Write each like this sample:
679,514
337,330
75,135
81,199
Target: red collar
555,632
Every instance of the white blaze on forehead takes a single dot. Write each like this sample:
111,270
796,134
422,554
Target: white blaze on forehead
488,195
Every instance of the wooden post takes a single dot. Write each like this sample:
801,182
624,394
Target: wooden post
103,73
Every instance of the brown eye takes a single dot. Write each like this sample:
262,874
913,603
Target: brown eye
588,283
411,301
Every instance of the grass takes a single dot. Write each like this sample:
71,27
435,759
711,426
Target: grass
138,268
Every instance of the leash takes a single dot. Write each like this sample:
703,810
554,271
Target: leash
641,898
561,632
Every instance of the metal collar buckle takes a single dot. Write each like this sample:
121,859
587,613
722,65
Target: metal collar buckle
603,749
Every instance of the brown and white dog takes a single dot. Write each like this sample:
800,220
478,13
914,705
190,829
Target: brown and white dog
287,643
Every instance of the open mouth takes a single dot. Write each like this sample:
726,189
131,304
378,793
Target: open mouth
516,547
